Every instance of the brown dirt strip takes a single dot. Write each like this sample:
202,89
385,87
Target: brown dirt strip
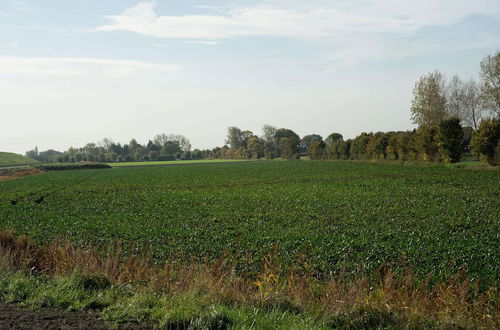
13,317
9,174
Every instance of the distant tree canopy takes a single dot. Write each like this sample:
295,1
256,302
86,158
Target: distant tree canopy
450,140
435,99
334,137
485,141
307,141
490,83
161,147
316,150
274,143
428,106
451,117
464,101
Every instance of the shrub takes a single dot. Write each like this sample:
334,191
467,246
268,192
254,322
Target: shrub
289,149
484,143
359,146
427,142
450,140
380,141
316,150
75,166
336,149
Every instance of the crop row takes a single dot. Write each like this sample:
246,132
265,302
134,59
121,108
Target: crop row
320,216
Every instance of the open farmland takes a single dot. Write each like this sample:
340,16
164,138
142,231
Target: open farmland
330,215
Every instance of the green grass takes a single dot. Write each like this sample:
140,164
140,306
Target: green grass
124,305
468,164
178,162
334,215
12,159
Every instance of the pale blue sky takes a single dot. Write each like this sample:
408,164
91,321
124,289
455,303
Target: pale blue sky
73,72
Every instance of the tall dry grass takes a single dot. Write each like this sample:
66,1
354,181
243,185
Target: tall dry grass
456,302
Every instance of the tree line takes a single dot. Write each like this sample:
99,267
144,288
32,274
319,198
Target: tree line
445,142
436,99
453,117
161,148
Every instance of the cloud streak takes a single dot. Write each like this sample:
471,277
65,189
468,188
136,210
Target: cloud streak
203,42
78,66
294,19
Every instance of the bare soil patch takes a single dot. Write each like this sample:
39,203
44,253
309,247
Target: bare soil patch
13,317
14,174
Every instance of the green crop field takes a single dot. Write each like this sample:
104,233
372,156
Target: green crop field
12,159
330,215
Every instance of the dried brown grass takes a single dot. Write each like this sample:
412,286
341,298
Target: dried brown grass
15,174
456,302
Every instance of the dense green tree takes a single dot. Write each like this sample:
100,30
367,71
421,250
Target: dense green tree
255,147
427,139
485,141
346,152
234,137
359,144
289,148
333,138
403,145
269,149
245,136
378,145
335,149
450,140
292,143
270,141
316,150
171,150
392,145
152,147
307,141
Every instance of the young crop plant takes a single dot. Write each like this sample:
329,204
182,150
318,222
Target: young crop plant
336,215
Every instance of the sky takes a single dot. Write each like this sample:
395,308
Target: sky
73,72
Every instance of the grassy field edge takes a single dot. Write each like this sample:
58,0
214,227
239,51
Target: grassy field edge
135,290
8,159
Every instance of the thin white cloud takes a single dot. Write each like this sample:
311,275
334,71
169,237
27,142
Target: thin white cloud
374,49
204,42
22,6
46,28
299,19
78,66
158,45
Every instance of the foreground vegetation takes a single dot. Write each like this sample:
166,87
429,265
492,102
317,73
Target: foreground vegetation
301,244
322,217
178,294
